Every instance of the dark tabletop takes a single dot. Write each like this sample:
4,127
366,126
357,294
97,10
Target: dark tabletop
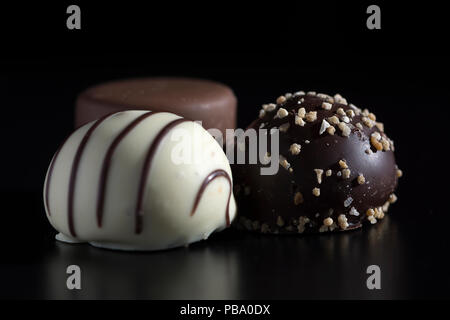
239,265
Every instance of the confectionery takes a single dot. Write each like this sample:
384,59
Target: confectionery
211,102
139,180
336,168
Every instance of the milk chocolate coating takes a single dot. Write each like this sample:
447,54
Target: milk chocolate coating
211,102
269,199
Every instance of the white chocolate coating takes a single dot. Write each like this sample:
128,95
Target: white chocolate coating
168,215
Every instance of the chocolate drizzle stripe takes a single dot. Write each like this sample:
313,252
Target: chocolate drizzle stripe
74,171
209,178
146,169
107,164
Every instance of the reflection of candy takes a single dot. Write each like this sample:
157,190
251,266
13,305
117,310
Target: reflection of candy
113,183
337,168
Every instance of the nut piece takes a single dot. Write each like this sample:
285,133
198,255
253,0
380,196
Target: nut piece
346,173
301,112
399,173
281,99
392,198
262,113
319,173
343,164
298,198
299,121
342,221
361,179
333,120
311,116
370,212
316,192
328,172
269,107
327,221
295,148
331,130
326,105
325,125
345,129
281,113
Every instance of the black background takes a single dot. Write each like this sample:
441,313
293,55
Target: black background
261,50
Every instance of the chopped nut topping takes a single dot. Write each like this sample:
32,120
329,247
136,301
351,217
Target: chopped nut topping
392,198
346,173
331,130
301,112
298,198
353,212
365,112
284,127
367,122
345,129
311,93
333,120
299,93
374,141
385,144
288,95
299,121
380,126
370,212
345,119
355,108
311,116
280,221
359,126
262,113
328,173
339,173
342,221
326,105
385,207
350,113
295,148
325,125
348,201
281,113
319,173
316,192
379,214
343,164
327,221
372,116
284,163
361,179
340,112
281,99
339,99
399,173
307,141
372,219
269,107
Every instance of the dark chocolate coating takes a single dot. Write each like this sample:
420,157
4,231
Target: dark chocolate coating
262,199
211,102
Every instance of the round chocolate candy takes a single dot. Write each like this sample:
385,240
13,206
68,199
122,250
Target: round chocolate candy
139,180
211,102
337,168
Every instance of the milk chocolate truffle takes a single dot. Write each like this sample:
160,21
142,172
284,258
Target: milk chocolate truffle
139,180
337,168
211,102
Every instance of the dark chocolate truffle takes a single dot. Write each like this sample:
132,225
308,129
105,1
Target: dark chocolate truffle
211,102
337,168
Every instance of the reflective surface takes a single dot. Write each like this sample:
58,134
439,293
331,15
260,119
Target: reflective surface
240,265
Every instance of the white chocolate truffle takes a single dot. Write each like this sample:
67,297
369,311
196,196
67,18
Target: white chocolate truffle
139,180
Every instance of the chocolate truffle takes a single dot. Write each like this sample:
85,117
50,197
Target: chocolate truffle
139,180
211,102
337,168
